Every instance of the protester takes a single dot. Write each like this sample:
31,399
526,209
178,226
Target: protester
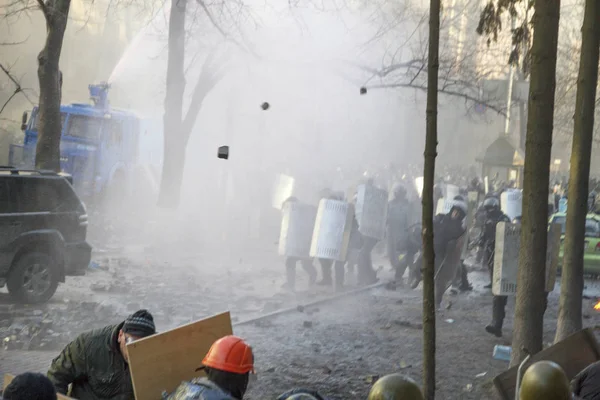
228,365
96,362
29,386
586,385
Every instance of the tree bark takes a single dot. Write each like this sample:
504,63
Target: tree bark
428,178
47,152
570,315
175,140
529,311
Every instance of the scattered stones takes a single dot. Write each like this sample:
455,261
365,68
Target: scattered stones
300,308
307,324
371,379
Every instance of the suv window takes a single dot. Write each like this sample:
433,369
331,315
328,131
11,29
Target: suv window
42,195
6,205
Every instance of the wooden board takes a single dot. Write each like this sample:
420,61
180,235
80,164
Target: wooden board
161,362
8,379
573,354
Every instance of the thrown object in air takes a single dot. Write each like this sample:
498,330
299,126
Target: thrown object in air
363,90
265,106
223,152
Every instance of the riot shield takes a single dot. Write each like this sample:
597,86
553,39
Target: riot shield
511,203
506,260
333,226
371,211
297,226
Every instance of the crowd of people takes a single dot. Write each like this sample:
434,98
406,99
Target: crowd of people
95,367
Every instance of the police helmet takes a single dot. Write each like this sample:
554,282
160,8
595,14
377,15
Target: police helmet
459,205
301,396
395,387
491,202
545,380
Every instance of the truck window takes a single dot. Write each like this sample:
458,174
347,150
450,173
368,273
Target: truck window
84,127
42,195
35,121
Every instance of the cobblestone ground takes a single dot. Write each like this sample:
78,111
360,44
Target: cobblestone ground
336,348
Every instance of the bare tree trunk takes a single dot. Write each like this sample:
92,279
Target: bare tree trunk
569,316
428,178
529,312
175,139
47,152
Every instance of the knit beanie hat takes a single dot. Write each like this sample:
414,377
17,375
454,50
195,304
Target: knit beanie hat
139,324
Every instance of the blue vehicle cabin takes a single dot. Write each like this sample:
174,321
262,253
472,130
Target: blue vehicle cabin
99,145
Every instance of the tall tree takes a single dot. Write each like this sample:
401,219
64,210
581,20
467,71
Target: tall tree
47,152
177,125
569,316
428,178
529,312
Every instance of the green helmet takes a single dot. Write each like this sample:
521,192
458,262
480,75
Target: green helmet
545,380
301,396
395,387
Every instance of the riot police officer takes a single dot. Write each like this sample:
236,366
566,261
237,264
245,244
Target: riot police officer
487,219
397,231
339,266
545,380
395,387
290,264
487,240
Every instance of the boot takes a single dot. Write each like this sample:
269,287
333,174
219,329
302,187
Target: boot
326,273
464,286
498,314
290,274
340,270
311,271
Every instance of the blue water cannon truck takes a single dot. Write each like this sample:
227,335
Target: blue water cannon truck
105,149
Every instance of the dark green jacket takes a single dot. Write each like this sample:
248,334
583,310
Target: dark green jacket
93,364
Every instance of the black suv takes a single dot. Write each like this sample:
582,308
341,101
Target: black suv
43,225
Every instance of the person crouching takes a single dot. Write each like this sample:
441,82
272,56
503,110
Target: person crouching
228,365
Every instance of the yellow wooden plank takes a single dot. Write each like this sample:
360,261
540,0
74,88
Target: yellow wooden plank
8,379
161,362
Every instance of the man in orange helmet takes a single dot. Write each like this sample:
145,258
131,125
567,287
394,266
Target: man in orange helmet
228,365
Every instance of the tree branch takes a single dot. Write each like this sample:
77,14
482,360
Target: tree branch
443,91
18,88
44,9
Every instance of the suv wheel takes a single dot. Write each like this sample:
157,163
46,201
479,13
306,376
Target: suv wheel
33,278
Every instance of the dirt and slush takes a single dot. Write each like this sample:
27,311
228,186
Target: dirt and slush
337,348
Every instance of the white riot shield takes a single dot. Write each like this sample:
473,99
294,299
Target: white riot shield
511,203
282,190
506,259
332,230
419,185
371,211
450,192
297,226
471,208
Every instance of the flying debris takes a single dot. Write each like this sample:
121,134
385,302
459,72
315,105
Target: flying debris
223,152
363,90
265,106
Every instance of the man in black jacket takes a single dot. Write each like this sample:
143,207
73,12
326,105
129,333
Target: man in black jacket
96,362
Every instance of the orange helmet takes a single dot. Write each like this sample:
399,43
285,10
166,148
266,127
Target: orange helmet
231,354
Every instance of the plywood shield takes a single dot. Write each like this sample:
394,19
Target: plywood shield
297,226
371,211
161,362
332,230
